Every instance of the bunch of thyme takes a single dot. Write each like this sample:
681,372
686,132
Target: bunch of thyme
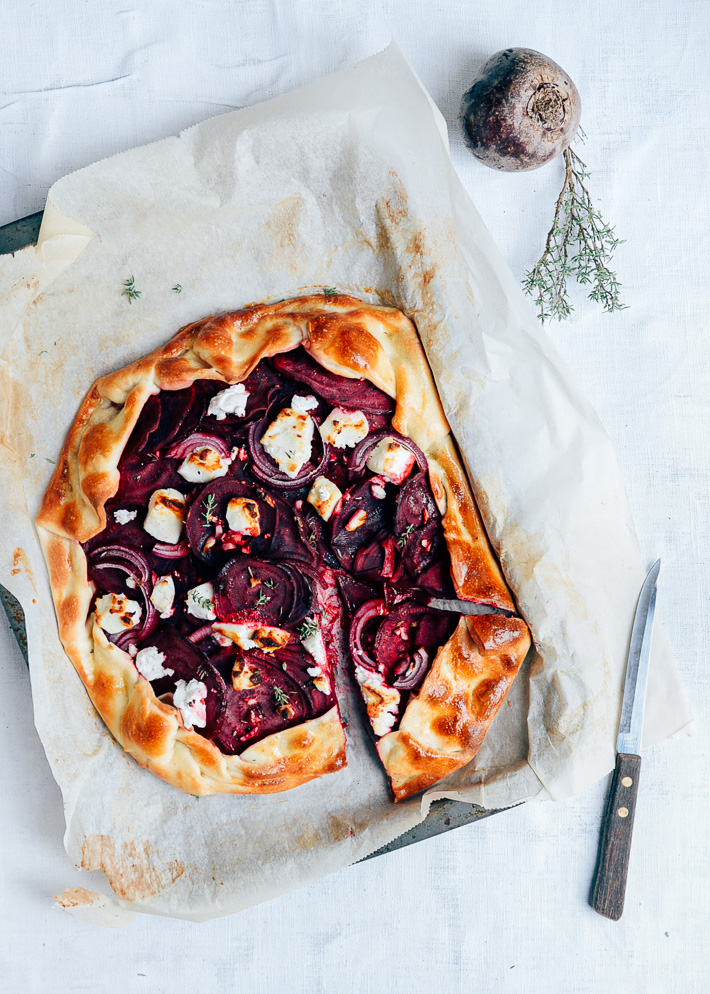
579,244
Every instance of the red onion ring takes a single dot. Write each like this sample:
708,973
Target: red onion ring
200,633
150,622
358,457
417,669
366,612
166,551
198,440
122,557
263,466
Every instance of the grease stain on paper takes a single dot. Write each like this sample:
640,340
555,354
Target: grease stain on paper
132,873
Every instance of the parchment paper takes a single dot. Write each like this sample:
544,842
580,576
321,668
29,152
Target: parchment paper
344,183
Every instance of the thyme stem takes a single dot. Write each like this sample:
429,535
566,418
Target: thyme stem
576,224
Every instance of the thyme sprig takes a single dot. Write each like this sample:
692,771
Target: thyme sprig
580,244
330,291
129,290
177,288
281,698
308,629
208,505
204,602
404,537
262,599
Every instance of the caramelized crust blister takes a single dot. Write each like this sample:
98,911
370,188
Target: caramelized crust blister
444,725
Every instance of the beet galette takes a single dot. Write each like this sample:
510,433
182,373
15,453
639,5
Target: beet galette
231,512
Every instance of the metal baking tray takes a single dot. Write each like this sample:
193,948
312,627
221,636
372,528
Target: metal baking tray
443,816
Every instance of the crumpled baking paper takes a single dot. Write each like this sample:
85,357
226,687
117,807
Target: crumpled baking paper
345,183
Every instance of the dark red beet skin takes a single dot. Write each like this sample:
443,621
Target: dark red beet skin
521,111
298,568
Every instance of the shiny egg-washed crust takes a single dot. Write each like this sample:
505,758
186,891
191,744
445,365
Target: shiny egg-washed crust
354,339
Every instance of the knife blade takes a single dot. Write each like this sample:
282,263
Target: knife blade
609,888
464,607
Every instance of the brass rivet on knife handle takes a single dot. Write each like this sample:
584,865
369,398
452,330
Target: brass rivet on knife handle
610,881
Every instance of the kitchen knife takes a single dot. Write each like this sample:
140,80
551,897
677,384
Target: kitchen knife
464,607
613,864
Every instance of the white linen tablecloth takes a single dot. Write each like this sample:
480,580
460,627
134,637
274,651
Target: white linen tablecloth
501,905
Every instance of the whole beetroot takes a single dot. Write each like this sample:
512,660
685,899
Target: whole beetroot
521,111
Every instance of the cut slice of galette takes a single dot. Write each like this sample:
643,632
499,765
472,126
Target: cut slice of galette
231,510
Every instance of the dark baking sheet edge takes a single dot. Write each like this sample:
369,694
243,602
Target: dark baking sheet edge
443,816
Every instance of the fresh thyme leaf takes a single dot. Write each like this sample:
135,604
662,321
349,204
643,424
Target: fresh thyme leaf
262,599
209,504
330,291
281,698
130,290
271,583
404,537
308,629
177,288
43,352
576,224
47,459
32,455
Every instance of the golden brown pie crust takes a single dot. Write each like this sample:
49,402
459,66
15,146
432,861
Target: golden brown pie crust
444,725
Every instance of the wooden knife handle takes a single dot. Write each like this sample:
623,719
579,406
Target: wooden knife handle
615,846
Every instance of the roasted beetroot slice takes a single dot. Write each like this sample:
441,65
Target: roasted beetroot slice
296,662
415,504
175,407
272,702
417,523
141,475
290,533
249,584
192,417
354,592
377,560
436,579
303,592
340,391
208,512
188,664
407,629
147,422
346,542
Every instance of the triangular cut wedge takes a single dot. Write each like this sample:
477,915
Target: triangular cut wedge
232,510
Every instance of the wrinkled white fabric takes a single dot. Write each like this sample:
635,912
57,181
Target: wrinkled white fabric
503,903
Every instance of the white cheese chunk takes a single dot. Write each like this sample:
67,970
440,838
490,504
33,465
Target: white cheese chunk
149,663
200,602
115,613
233,400
391,460
243,676
313,643
190,700
163,596
324,496
166,515
382,704
288,440
243,516
203,465
267,638
303,404
320,680
344,429
123,516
